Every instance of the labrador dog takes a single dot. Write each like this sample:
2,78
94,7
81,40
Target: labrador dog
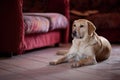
87,47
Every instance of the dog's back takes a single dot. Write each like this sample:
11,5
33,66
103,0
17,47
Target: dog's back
104,51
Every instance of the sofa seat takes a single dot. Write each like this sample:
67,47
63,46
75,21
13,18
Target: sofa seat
43,22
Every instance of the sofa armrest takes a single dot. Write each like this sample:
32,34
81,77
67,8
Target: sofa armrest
11,25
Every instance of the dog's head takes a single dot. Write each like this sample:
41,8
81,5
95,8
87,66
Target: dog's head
82,28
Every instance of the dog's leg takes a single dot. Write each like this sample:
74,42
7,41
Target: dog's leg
61,60
85,61
62,52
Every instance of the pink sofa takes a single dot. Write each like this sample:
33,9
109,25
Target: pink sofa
13,38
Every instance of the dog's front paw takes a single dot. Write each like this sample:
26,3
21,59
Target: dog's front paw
75,65
53,63
62,52
59,53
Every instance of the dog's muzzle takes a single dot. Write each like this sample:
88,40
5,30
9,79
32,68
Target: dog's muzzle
74,33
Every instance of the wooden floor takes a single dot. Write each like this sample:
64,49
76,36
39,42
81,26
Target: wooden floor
34,65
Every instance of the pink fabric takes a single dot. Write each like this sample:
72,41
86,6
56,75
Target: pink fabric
36,24
53,21
58,21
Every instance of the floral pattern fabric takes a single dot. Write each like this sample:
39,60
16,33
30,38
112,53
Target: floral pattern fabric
44,22
36,24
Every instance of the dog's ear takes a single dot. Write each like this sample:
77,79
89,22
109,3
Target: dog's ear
91,27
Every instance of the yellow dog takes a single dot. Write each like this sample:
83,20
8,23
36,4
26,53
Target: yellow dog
87,47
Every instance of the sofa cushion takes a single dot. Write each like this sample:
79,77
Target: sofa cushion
57,21
44,22
36,24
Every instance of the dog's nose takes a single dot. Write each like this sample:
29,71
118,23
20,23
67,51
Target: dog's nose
74,33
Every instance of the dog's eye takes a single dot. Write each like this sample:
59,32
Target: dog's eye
81,26
74,25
